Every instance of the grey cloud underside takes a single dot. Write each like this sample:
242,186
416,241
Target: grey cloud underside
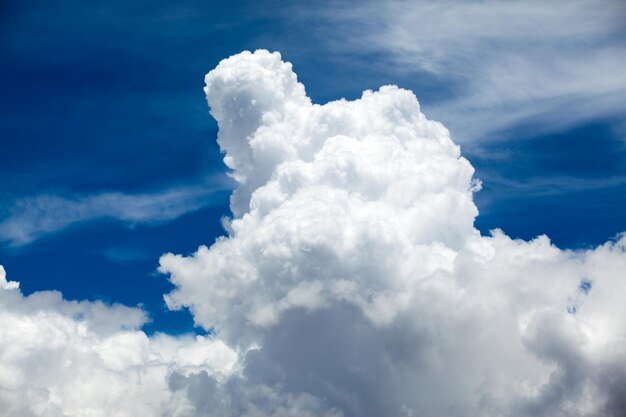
351,282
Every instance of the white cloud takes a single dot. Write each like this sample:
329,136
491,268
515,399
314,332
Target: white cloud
4,284
64,358
353,266
551,64
33,217
352,282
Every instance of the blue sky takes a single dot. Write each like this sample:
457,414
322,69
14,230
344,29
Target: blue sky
108,150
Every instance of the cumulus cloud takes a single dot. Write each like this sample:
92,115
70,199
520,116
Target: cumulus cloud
353,273
65,358
351,282
32,217
4,284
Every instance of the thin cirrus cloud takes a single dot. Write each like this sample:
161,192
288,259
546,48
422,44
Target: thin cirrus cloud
352,282
33,217
552,64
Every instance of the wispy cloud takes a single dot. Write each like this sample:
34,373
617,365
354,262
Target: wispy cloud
32,217
545,186
553,64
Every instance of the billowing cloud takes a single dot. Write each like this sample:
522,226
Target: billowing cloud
352,282
353,268
64,358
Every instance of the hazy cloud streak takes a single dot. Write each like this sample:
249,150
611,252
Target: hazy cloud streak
552,64
32,217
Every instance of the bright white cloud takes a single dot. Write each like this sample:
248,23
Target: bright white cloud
551,64
352,282
63,358
353,266
4,284
32,217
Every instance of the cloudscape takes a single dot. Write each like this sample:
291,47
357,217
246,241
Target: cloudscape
335,263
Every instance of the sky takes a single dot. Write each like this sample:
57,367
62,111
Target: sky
113,175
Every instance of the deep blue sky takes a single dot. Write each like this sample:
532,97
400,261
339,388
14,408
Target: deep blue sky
106,97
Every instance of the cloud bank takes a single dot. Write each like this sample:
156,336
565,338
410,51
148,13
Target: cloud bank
63,358
352,282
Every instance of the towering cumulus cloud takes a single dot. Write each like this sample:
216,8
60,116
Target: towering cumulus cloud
353,274
352,282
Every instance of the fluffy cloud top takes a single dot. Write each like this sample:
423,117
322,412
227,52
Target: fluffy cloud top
63,358
352,282
353,266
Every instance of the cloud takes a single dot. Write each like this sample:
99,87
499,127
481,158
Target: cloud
550,64
353,273
352,282
65,358
33,217
4,284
